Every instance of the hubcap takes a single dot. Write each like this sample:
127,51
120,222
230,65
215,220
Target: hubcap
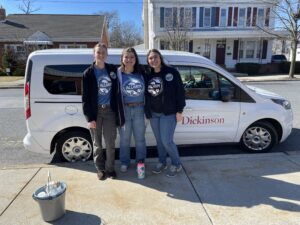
76,149
257,138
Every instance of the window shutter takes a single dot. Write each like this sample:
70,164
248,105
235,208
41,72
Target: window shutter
201,16
267,20
217,16
229,22
213,17
162,17
235,16
254,17
194,12
175,18
248,22
191,46
264,49
235,49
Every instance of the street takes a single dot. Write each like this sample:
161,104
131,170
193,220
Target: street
13,128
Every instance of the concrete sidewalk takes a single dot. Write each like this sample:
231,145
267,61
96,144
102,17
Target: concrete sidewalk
219,190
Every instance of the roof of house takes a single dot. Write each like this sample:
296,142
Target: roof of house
57,28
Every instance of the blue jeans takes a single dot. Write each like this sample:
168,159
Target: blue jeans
134,123
163,128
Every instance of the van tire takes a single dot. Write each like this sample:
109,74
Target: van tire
259,137
74,146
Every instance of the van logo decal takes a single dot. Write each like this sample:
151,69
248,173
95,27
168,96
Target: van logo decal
169,77
202,120
104,85
155,86
133,88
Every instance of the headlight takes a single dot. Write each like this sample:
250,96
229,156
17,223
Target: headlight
284,103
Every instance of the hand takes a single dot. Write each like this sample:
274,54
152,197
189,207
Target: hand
92,124
179,117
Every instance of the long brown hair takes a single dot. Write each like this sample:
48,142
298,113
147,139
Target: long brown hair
137,66
163,64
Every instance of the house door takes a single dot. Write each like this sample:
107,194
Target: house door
220,52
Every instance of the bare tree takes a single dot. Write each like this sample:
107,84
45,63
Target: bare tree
27,6
124,34
287,18
177,27
111,17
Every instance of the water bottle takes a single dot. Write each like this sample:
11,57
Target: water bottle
141,170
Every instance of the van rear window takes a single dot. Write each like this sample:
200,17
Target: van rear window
64,79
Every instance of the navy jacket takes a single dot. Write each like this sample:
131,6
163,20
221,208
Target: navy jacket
173,94
90,93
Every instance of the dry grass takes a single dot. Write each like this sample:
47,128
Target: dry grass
10,78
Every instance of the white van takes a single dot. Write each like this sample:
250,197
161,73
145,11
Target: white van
220,109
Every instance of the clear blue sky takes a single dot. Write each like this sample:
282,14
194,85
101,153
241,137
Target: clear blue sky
129,10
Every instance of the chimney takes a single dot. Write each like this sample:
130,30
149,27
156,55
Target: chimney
2,14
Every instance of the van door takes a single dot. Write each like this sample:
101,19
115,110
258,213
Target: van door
207,119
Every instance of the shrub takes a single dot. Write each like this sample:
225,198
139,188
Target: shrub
285,67
249,68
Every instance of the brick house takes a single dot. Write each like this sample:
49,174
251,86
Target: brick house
224,31
20,32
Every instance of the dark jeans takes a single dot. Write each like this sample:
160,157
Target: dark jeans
106,125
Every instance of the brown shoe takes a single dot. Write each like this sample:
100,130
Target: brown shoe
101,175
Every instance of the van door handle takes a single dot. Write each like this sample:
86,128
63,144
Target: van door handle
188,109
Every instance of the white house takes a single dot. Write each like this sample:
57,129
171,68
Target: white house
225,31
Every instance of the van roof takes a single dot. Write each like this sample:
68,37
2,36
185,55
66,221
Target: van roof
168,54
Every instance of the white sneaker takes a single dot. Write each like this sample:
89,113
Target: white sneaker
174,170
123,168
159,167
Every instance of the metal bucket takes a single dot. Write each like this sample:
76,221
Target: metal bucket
51,199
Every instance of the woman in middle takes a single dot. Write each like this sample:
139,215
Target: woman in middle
132,83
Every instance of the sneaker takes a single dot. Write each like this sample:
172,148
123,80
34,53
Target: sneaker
174,170
123,168
112,175
101,175
159,167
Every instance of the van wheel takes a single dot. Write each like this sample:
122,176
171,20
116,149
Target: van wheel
259,137
74,146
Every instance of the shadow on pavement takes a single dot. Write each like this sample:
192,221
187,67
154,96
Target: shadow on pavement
77,218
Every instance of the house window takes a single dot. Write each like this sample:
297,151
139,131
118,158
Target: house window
168,17
16,48
250,48
73,46
187,17
258,49
206,17
206,52
241,49
223,16
164,45
242,14
260,17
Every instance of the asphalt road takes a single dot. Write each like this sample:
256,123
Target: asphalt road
13,128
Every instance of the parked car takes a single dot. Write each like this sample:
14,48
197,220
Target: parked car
220,109
278,58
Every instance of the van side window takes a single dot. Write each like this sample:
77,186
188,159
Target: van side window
199,83
63,79
205,84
